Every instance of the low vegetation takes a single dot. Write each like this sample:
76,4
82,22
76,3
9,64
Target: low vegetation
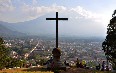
25,70
41,70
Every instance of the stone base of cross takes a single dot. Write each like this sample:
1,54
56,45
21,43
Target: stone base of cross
56,64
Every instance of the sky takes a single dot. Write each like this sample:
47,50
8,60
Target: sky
90,14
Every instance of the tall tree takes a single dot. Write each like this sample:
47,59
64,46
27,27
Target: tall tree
4,54
109,45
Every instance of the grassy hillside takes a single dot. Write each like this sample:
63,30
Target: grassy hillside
41,70
25,70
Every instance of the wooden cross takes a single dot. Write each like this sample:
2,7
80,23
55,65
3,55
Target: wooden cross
56,26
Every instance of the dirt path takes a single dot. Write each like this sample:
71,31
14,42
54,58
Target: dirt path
80,70
41,70
77,70
24,70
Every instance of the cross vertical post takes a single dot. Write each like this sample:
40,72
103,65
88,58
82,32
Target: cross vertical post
56,29
56,26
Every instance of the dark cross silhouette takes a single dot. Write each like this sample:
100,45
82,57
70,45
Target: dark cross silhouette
56,26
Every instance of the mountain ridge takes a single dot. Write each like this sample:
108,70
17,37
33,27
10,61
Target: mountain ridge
6,32
81,27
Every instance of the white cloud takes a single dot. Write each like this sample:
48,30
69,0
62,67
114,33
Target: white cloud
6,10
6,5
101,18
86,13
34,2
32,12
25,12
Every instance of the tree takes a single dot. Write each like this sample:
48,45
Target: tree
17,62
4,54
109,45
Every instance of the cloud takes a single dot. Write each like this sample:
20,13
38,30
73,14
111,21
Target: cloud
34,12
6,10
25,12
34,2
6,5
87,14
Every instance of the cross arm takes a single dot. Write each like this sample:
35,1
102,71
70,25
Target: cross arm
62,18
56,18
50,18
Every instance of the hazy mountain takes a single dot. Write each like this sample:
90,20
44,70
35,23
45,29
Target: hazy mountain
37,26
5,31
73,27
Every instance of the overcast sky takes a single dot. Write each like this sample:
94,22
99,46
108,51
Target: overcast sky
98,12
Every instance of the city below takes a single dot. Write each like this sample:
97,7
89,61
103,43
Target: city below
36,48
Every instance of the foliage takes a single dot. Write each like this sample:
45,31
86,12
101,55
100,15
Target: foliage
5,59
42,61
4,54
109,45
17,63
37,59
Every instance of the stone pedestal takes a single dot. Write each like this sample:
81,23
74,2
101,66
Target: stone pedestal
56,63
